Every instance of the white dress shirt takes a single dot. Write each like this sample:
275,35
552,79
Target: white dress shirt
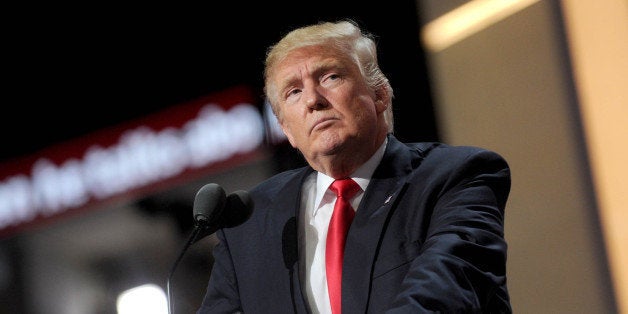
317,204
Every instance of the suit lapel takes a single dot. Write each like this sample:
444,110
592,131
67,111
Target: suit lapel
287,206
362,246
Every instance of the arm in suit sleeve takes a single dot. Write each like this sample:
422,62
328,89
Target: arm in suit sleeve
461,267
222,291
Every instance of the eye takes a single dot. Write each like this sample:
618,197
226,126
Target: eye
331,79
293,93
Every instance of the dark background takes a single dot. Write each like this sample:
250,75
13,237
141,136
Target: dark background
73,70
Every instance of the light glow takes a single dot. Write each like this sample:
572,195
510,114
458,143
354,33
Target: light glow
145,299
467,20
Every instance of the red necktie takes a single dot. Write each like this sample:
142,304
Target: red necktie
339,224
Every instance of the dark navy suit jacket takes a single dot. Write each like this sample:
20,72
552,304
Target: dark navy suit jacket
428,237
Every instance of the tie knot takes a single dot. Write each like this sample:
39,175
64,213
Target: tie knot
345,188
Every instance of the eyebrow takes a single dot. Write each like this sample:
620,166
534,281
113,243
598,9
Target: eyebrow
317,68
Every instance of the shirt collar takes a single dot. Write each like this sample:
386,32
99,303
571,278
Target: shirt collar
362,176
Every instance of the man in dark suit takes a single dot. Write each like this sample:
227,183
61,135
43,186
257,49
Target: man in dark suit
427,233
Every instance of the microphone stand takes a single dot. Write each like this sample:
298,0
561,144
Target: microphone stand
199,226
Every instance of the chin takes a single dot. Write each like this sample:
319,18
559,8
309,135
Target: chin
330,148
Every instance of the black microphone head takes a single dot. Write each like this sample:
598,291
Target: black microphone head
209,202
238,209
289,243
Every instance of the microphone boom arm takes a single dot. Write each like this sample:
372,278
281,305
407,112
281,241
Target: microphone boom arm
192,238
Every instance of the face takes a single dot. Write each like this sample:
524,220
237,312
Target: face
325,107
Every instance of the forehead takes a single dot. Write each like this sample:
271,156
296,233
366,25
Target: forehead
311,56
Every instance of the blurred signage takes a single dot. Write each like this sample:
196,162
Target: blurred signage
219,130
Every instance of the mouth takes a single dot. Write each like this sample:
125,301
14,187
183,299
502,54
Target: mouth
322,123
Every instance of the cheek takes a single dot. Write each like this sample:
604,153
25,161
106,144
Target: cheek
288,132
364,110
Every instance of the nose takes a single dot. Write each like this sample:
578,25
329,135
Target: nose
314,100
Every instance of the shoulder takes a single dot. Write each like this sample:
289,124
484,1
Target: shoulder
275,181
274,185
442,152
445,159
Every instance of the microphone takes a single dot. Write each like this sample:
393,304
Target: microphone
289,244
213,210
209,203
237,208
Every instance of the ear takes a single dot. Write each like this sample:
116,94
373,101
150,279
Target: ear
381,100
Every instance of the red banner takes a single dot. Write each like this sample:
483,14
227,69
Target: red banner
192,139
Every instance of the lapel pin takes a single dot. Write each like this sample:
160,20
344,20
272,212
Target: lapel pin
388,199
